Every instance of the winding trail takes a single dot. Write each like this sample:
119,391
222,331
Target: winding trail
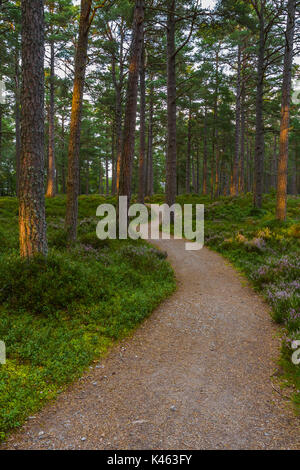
195,375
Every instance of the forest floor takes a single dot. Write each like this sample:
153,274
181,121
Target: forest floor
198,374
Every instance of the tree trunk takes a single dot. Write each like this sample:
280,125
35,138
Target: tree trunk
75,125
51,183
131,101
63,170
215,174
236,163
274,164
32,222
106,175
142,130
285,114
1,117
171,176
204,183
149,175
188,156
259,131
17,121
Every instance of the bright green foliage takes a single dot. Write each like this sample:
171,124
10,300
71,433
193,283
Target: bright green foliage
56,317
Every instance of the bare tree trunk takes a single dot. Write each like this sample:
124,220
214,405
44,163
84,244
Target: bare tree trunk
274,163
236,162
215,175
285,113
1,118
259,133
17,118
242,150
197,170
106,175
51,184
32,222
75,126
118,111
63,170
171,176
194,183
188,156
131,101
87,181
204,183
142,130
149,175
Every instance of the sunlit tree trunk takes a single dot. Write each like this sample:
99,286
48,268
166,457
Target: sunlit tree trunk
75,125
51,183
285,114
32,223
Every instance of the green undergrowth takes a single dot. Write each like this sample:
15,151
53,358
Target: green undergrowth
267,252
56,317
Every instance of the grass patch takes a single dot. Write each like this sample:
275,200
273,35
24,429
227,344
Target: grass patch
57,317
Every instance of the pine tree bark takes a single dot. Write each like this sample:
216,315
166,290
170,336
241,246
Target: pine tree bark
285,113
17,121
75,125
242,148
131,101
118,84
32,222
171,175
51,182
188,155
142,155
63,169
149,175
274,164
1,118
237,126
259,131
204,176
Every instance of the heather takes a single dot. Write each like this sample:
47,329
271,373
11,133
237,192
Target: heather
267,252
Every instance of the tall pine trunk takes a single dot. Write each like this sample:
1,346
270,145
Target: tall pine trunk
17,116
171,176
285,113
236,163
131,101
75,126
142,130
51,183
188,156
149,173
32,222
204,172
259,131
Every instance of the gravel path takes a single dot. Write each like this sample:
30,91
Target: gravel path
196,375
